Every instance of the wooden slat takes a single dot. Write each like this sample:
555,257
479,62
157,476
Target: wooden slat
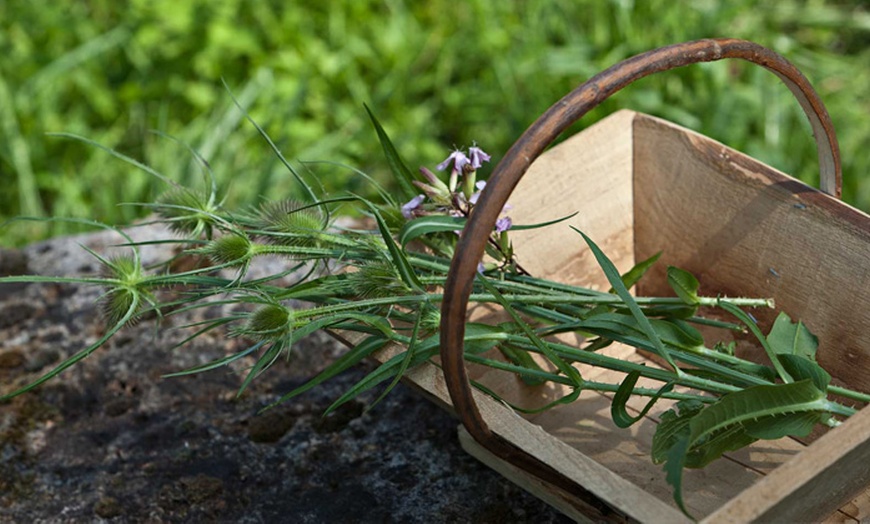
826,474
743,228
589,174
641,186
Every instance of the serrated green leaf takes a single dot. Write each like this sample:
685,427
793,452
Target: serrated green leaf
684,284
617,406
734,421
717,444
673,427
793,424
674,463
755,403
792,338
427,225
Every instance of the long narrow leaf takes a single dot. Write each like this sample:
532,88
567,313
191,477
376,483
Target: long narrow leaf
409,356
131,311
427,225
521,227
268,139
753,327
617,406
615,280
400,261
215,363
385,371
401,173
352,357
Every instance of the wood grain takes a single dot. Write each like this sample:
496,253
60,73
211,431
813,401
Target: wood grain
744,228
643,185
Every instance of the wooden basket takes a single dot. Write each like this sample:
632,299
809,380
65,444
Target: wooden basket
642,185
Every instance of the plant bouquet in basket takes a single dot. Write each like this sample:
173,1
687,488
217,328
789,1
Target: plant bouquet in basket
391,283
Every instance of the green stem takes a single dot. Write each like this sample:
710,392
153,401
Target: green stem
587,385
848,393
616,364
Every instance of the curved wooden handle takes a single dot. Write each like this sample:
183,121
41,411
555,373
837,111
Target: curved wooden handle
532,143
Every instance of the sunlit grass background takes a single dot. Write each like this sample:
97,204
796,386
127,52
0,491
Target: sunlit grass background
437,74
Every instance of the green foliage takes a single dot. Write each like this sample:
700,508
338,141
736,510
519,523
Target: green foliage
696,438
792,338
392,295
435,72
684,284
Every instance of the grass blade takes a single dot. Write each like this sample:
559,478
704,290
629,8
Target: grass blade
401,174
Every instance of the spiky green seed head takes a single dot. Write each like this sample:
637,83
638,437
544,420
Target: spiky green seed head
186,211
431,320
290,223
129,289
125,268
269,322
231,249
116,303
375,280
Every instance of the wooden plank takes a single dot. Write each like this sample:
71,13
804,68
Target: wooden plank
858,509
743,228
589,174
669,170
825,475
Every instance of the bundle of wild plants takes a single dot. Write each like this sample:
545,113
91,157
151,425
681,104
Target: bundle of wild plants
384,283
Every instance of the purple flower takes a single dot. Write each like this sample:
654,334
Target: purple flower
503,224
480,267
478,157
474,196
459,160
413,204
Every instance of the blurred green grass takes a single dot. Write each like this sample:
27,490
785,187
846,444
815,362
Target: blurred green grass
436,73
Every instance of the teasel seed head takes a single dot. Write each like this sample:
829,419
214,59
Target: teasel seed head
270,322
187,211
232,249
290,223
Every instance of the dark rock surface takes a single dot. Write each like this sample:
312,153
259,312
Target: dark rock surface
111,440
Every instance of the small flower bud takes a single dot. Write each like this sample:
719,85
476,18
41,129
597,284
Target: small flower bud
230,249
411,206
269,322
